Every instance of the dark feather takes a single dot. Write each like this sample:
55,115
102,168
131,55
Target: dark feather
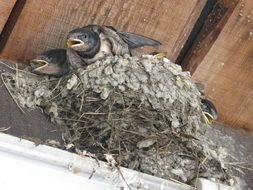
112,28
136,40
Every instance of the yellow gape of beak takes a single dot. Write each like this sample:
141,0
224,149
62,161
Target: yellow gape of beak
73,42
160,55
208,117
39,64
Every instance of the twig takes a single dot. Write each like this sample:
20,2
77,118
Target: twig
49,80
92,173
197,177
55,96
241,166
74,114
2,129
80,93
96,141
2,74
57,85
179,182
15,69
135,133
94,113
68,119
109,114
16,75
81,107
118,168
65,129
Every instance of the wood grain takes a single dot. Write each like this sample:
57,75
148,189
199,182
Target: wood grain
5,10
227,69
209,33
44,24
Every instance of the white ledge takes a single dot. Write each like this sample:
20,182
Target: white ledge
26,166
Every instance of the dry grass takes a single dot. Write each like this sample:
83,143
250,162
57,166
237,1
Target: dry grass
126,124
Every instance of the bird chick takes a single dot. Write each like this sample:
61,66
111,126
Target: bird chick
94,42
208,108
53,62
209,111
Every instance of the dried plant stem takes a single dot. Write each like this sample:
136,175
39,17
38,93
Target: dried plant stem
15,69
2,129
2,78
199,166
57,85
241,165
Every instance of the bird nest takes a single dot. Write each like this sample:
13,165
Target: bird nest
142,110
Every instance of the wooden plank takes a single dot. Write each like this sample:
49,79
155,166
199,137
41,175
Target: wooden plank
227,69
185,32
209,33
44,24
6,7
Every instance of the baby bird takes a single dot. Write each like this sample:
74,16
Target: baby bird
208,108
209,111
94,42
53,62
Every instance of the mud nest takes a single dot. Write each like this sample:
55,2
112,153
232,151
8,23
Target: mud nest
144,111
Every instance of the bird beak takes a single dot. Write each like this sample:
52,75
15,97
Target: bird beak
208,117
160,55
38,64
74,42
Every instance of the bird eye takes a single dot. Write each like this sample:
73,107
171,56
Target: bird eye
85,36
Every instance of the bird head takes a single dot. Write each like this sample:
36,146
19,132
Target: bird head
53,62
209,111
82,39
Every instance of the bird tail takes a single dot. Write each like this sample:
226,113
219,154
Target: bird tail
136,40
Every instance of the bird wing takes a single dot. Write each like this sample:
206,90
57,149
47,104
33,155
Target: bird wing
118,45
136,40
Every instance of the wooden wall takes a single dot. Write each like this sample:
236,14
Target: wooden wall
44,24
5,10
227,68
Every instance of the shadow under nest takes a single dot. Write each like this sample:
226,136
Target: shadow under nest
143,110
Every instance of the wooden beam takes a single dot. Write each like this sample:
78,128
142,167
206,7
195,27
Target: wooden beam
184,34
11,21
6,7
208,34
227,69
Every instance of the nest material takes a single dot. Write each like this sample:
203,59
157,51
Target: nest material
145,111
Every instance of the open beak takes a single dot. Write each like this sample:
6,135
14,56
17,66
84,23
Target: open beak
74,42
38,64
208,117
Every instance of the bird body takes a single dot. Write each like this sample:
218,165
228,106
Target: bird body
209,110
104,50
94,42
